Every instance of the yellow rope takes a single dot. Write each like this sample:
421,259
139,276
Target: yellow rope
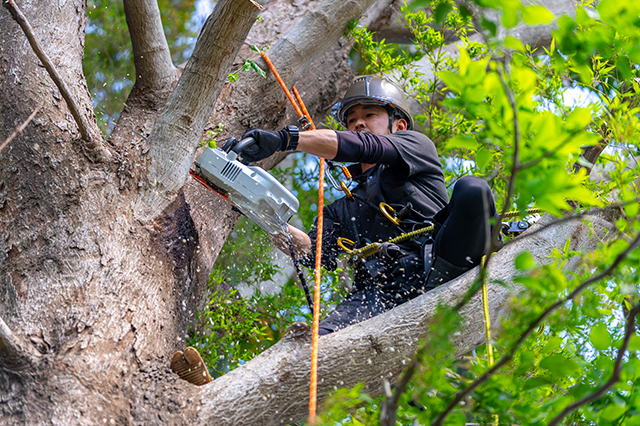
487,326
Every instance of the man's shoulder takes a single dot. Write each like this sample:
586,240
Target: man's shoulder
410,136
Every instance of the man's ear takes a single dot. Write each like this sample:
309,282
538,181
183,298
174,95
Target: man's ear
399,124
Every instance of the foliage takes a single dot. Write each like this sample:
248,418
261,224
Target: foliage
505,109
249,65
226,328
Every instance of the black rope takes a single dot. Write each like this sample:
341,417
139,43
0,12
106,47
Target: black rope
301,276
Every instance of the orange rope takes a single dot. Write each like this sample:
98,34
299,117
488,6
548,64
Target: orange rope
313,387
304,108
284,87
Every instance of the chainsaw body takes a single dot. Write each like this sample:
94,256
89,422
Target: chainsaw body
251,189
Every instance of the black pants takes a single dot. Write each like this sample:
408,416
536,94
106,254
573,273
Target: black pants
462,230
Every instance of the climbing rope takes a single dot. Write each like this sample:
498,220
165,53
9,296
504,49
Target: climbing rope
487,326
306,118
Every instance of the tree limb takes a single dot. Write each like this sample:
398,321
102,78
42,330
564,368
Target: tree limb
151,56
317,31
91,143
275,383
13,351
615,377
19,129
534,325
175,135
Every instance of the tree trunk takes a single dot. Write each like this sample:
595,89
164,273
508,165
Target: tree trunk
103,263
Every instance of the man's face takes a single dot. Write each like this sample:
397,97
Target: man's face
369,119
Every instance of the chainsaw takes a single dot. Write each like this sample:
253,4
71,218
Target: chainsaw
252,190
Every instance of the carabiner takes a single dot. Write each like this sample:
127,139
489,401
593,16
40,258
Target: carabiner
346,191
342,241
383,209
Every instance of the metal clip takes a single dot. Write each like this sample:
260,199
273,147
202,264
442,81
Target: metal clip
305,124
512,229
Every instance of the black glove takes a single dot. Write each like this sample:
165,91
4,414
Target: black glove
267,143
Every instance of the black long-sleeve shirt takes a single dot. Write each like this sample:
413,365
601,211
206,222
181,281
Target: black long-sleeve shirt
407,170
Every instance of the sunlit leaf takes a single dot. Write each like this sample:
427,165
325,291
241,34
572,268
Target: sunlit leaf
599,337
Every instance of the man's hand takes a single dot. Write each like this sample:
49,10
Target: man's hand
267,143
301,242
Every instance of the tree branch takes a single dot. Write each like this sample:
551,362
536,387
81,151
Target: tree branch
615,377
317,31
91,143
534,325
275,384
151,56
13,351
19,129
176,133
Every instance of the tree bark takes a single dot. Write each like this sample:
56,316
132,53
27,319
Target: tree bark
151,55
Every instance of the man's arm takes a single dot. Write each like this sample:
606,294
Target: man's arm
322,143
329,144
301,242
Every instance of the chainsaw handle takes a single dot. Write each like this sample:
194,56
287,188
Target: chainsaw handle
243,145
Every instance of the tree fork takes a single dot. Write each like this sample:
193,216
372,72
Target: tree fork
175,135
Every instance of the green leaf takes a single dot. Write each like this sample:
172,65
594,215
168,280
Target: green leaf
483,158
632,210
534,383
513,43
536,15
509,17
623,67
612,412
462,141
257,69
579,118
464,11
441,12
525,261
599,337
452,80
559,366
567,247
492,27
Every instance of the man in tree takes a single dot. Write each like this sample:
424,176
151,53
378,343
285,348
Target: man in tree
400,168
